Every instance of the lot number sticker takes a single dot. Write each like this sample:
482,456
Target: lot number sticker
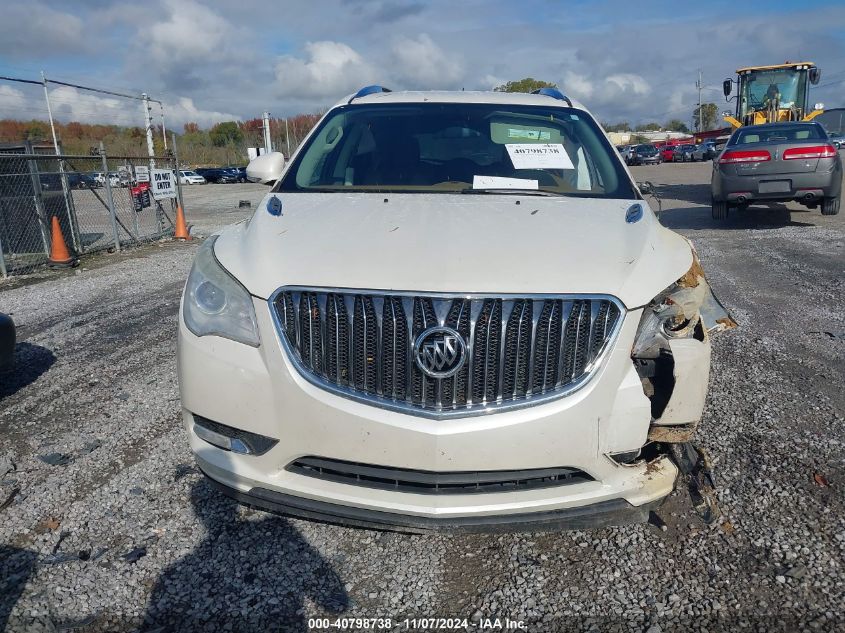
164,184
539,156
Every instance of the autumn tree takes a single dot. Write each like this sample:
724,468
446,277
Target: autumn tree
191,128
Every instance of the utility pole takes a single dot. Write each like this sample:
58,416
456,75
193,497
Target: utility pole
287,139
148,120
699,86
267,144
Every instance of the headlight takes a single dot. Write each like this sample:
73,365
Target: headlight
215,303
686,309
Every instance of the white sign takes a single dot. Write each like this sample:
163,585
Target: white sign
142,173
163,184
539,156
497,182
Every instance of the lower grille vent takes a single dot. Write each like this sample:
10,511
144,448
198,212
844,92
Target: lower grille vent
425,482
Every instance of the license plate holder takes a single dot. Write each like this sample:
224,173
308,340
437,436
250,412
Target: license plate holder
775,186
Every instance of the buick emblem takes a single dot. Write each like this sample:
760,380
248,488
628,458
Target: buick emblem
440,352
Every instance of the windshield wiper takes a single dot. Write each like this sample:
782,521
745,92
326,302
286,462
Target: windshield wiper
521,192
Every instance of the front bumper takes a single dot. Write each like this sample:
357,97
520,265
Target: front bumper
260,391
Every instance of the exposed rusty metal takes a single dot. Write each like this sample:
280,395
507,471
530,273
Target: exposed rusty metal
727,323
671,434
694,276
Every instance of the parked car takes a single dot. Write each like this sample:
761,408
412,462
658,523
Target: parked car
704,151
77,180
115,179
645,155
217,174
626,152
667,153
683,153
7,342
404,378
837,140
777,162
189,177
240,172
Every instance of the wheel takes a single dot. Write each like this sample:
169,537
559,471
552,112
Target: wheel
720,210
830,206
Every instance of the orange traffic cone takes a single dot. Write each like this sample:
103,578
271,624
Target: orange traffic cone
60,256
181,232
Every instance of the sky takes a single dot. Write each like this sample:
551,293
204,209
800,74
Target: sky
210,60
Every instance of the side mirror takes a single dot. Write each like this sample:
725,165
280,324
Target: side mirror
646,188
727,87
815,75
266,169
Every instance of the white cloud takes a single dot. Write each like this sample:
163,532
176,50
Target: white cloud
191,33
330,69
422,64
69,104
27,28
13,102
605,91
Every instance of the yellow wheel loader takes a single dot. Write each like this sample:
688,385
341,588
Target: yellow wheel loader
768,94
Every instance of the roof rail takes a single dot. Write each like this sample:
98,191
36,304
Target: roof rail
368,90
554,93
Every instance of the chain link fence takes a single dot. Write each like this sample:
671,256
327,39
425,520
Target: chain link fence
100,202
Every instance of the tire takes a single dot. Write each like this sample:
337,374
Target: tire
720,210
830,206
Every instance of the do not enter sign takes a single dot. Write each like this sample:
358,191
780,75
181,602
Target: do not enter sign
163,184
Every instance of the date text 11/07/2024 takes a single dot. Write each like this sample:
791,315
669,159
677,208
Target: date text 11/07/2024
433,624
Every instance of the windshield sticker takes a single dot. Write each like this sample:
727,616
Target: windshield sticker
539,156
496,182
535,135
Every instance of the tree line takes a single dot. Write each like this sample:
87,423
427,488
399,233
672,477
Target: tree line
224,143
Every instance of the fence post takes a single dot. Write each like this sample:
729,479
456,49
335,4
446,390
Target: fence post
72,220
109,197
40,210
3,261
178,178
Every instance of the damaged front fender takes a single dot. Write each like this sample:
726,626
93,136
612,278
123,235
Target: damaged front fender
672,353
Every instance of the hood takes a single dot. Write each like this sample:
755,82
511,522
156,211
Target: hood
455,243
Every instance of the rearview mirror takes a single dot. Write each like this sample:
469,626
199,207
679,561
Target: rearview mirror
266,169
815,75
727,87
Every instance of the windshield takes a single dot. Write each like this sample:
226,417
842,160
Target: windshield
781,88
451,147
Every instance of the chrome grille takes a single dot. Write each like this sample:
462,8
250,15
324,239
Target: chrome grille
520,349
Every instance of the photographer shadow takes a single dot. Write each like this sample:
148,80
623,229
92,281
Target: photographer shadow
248,574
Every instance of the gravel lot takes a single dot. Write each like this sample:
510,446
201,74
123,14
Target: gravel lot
123,534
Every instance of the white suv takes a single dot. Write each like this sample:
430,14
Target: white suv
452,310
